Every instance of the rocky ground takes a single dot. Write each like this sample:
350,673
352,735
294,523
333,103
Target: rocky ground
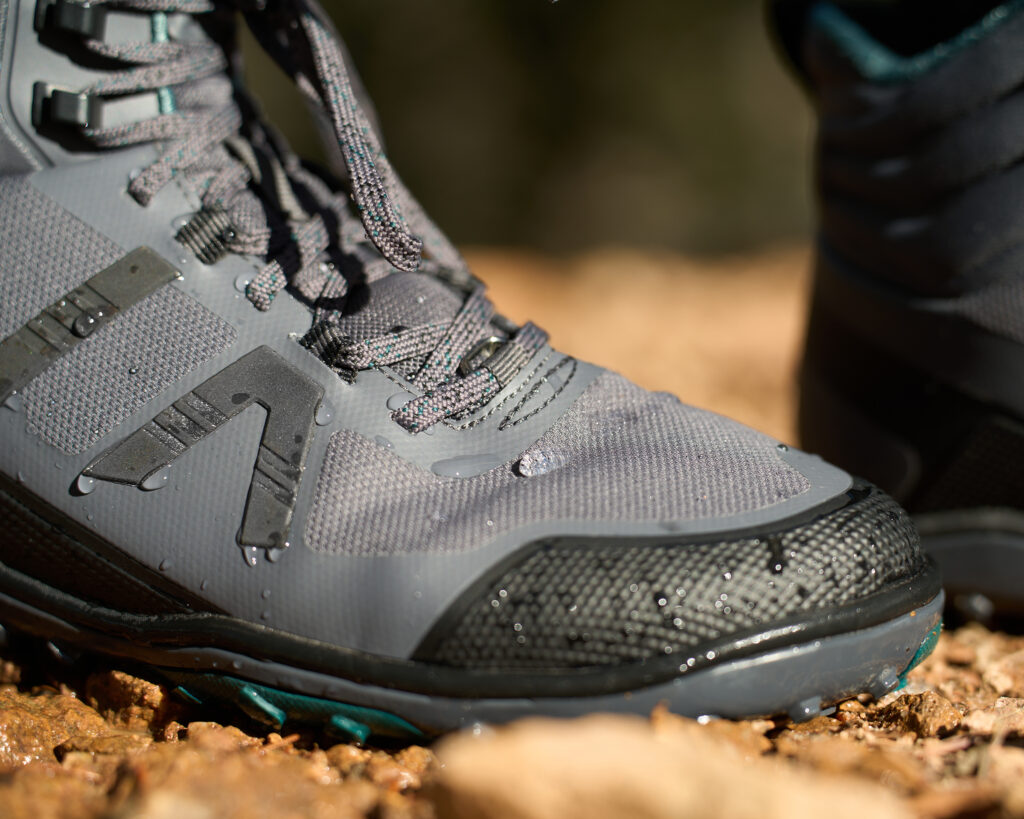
88,740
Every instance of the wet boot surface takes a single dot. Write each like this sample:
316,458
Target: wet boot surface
83,738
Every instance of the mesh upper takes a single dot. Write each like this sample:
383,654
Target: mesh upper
46,252
621,454
571,604
102,381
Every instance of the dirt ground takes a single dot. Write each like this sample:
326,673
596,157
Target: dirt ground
91,741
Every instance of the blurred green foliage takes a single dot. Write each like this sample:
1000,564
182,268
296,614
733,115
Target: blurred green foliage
657,123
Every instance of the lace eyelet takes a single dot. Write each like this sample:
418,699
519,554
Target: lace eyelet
480,354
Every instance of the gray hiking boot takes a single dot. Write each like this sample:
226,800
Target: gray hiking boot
257,437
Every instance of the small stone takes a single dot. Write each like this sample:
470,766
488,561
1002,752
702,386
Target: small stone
130,702
1006,675
209,736
927,714
117,742
1006,716
961,654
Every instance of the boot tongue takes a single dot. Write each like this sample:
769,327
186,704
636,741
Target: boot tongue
398,300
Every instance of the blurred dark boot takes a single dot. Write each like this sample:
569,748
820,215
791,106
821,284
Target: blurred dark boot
913,374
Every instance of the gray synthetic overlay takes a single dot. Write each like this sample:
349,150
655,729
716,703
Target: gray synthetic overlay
619,454
45,252
291,399
120,368
15,156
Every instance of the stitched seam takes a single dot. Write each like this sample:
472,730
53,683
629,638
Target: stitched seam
506,422
506,399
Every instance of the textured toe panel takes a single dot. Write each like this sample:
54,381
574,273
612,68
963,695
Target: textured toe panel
619,454
572,604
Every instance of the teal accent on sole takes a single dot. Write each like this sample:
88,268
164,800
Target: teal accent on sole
187,696
278,708
259,708
926,648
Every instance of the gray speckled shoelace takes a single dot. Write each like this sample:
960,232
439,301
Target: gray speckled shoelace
199,115
225,155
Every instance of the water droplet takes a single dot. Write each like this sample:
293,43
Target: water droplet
710,655
633,587
495,604
242,281
420,299
726,575
783,448
203,584
133,371
399,400
417,594
84,325
58,465
490,523
14,402
265,614
265,594
541,461
274,555
158,480
466,466
89,517
178,222
165,564
517,626
249,555
384,442
236,665
324,414
85,484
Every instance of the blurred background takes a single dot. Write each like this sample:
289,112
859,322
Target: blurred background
560,126
638,166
